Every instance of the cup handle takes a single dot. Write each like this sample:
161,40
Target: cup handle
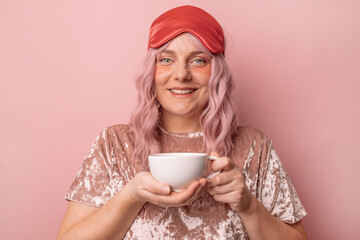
214,173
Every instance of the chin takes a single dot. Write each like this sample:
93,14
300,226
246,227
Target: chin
184,112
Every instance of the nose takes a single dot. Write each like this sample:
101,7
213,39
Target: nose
181,72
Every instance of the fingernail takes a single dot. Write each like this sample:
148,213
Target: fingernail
166,189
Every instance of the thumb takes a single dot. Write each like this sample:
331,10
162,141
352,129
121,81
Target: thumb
158,188
213,153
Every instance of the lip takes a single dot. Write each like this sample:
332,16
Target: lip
182,88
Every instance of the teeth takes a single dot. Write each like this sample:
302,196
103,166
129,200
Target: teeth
182,91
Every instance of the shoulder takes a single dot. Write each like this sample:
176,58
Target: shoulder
118,139
250,138
244,133
119,129
116,132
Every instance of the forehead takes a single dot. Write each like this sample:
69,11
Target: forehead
181,44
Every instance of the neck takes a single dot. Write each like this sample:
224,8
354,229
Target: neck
180,124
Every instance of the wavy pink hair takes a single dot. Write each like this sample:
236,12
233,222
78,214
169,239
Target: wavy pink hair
218,121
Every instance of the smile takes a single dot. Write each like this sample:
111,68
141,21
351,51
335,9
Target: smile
178,91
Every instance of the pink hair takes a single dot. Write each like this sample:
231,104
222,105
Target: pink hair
218,121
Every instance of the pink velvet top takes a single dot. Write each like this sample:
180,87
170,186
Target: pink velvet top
109,166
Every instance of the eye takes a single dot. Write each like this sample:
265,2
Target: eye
165,60
199,61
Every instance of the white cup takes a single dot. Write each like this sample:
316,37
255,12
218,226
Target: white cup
179,169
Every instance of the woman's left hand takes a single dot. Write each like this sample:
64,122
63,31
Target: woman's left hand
229,185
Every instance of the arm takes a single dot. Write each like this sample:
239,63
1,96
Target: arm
260,224
112,220
108,222
229,187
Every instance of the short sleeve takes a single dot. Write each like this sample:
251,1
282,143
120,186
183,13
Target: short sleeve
104,171
276,191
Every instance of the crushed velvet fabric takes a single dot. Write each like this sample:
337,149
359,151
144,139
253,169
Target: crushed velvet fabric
109,166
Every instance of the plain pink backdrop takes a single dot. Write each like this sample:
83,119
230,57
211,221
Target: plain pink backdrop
66,72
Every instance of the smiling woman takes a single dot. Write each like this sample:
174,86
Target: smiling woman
181,82
184,105
219,106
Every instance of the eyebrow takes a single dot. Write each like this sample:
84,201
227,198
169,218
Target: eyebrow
191,54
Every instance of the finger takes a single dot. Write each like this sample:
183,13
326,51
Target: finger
191,197
223,163
213,153
188,192
225,178
199,191
234,185
151,185
158,189
231,197
178,198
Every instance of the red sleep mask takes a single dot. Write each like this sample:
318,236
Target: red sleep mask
189,19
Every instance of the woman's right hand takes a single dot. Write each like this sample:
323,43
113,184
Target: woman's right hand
144,188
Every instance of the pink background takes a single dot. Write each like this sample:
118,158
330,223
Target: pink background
66,72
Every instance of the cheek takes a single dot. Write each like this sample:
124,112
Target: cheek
206,70
161,69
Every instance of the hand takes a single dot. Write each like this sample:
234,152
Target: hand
229,186
144,188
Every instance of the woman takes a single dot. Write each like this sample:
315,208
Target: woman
184,106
